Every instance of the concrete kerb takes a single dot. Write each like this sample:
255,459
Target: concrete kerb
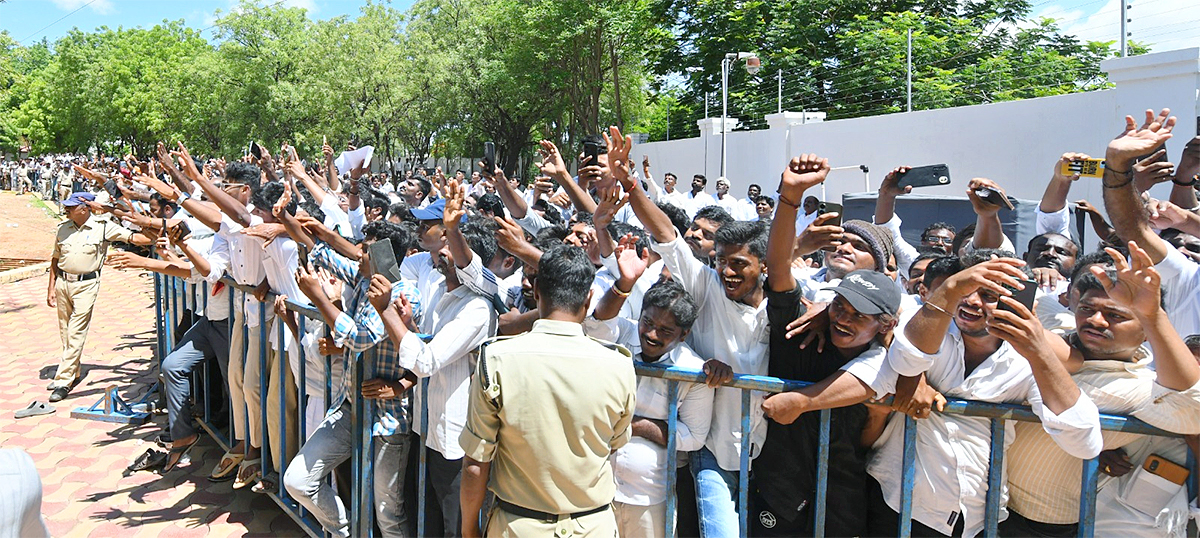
22,273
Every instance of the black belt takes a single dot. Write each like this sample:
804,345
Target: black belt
71,277
543,516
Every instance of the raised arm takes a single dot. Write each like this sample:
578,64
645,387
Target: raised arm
611,201
226,203
553,165
988,232
801,173
1121,200
512,199
656,222
928,326
631,265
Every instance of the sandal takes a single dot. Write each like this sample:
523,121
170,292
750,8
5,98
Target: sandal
226,469
150,458
178,452
268,483
34,409
247,473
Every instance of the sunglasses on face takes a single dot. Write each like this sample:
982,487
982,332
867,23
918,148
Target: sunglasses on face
937,240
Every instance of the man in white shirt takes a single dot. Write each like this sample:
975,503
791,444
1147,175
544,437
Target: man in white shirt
970,348
459,321
1122,376
671,194
748,206
726,201
697,199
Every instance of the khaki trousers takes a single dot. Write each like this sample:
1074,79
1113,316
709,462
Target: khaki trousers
276,430
501,524
75,301
244,383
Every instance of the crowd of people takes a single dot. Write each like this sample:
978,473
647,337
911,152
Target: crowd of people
52,176
497,324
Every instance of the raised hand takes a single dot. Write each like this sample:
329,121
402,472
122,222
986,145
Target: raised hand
1136,141
992,275
891,182
330,284
552,162
123,260
164,190
631,264
310,285
456,196
1152,170
1137,283
380,293
187,165
980,206
1164,214
285,198
1065,159
611,201
801,174
820,236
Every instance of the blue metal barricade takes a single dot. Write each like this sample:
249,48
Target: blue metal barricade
361,507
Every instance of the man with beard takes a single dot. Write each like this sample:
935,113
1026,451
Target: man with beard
697,199
1051,257
699,236
1118,312
459,321
970,348
855,245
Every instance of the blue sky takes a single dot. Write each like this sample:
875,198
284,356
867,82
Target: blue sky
1163,24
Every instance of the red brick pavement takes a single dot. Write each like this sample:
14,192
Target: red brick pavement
82,462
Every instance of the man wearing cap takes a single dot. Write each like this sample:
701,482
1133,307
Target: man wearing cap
79,248
861,316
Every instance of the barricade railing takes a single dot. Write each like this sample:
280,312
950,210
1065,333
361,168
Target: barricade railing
169,291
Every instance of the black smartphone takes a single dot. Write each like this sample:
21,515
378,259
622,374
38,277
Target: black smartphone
926,176
110,186
489,158
383,260
255,150
1024,296
993,196
183,230
302,253
591,153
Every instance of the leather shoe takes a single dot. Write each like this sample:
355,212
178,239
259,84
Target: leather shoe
59,394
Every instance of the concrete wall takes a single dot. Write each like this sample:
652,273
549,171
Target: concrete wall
1015,143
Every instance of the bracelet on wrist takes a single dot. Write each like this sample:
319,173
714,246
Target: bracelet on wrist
621,294
937,309
783,200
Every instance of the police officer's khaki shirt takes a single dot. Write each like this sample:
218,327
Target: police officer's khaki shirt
564,403
81,249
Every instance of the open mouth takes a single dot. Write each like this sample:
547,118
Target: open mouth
838,330
969,315
731,284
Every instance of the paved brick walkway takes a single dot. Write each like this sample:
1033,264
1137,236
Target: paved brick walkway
82,462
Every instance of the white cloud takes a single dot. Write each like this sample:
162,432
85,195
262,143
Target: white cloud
1160,24
102,7
308,5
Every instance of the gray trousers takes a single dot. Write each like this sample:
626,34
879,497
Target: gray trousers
328,447
206,339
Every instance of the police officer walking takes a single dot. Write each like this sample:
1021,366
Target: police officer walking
545,411
79,249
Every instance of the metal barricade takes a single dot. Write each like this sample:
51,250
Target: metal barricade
362,517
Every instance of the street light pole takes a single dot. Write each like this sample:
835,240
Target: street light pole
724,106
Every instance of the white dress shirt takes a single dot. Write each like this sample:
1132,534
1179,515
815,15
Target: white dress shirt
731,332
953,451
1181,286
460,321
245,264
640,467
695,202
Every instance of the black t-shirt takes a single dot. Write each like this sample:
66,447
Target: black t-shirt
785,472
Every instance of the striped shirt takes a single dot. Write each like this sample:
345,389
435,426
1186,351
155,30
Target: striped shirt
362,330
1044,481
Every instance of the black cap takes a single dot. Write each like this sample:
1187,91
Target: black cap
870,292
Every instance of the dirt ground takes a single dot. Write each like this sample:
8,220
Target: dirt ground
26,229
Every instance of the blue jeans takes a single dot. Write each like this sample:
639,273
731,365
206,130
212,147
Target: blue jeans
716,496
206,339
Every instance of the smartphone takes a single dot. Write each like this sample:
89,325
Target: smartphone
830,207
489,158
255,150
1166,468
183,230
113,190
302,252
993,196
591,154
383,260
926,176
1083,167
1024,296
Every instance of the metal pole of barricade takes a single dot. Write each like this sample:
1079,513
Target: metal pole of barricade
356,421
1087,500
421,463
301,396
743,499
991,514
263,377
231,291
822,474
366,470
908,477
158,317
281,362
174,312
205,372
672,457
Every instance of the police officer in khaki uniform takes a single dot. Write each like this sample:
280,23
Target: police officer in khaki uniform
545,411
79,250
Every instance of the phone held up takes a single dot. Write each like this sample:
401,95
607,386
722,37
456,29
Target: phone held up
1024,296
489,158
925,176
591,153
